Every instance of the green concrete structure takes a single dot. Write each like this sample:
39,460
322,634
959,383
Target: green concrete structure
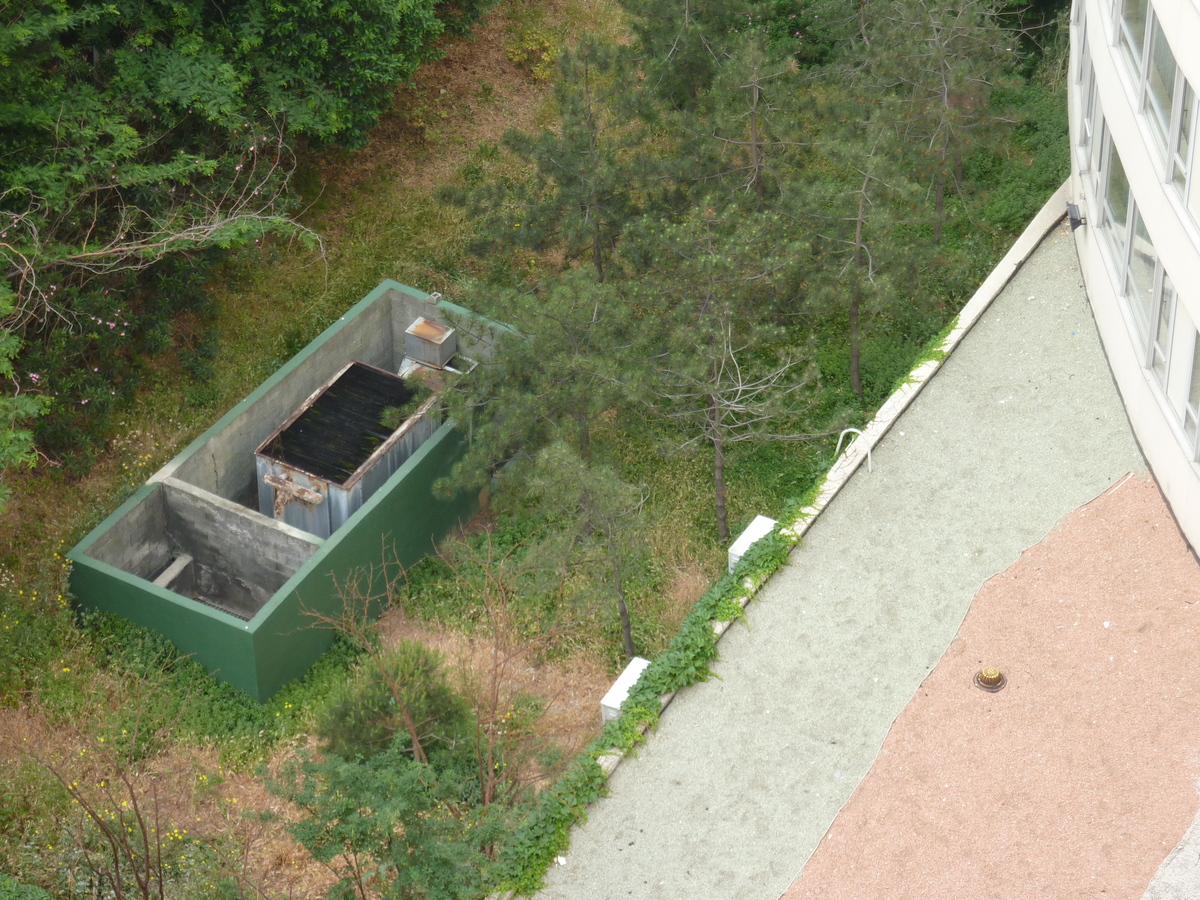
195,530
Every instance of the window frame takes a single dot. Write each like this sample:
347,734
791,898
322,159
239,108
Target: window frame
1166,136
1091,120
1147,102
1120,252
1123,38
1142,318
1177,163
1190,418
1154,353
1142,311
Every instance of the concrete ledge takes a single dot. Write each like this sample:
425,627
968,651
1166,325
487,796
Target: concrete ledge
760,527
610,705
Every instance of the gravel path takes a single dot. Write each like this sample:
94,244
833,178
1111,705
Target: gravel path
747,771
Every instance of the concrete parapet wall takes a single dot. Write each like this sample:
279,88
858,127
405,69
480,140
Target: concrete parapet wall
137,543
401,522
220,641
241,558
269,572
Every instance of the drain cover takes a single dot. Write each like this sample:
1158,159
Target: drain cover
990,679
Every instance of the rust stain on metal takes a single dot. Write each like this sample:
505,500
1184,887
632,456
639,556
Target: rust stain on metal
426,330
286,491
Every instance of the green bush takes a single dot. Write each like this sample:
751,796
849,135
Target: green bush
95,367
11,889
387,825
535,50
363,714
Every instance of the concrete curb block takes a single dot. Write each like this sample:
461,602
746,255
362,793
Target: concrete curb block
847,464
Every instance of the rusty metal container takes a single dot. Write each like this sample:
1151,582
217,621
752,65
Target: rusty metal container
341,446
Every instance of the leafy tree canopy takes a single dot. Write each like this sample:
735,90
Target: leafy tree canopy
134,133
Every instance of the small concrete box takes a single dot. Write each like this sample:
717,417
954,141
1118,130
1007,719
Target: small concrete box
610,706
760,527
429,342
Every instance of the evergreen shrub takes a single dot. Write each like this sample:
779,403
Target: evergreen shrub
11,889
362,715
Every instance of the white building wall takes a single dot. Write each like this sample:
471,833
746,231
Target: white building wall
1161,388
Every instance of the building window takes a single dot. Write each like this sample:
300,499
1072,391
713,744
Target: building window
1148,293
1131,33
1090,112
1139,282
1169,107
1160,84
1182,142
1099,134
1191,409
1116,200
1160,347
1089,117
1163,95
1082,60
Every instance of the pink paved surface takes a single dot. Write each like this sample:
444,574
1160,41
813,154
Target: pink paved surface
1078,778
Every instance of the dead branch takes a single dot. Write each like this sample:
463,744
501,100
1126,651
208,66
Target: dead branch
41,243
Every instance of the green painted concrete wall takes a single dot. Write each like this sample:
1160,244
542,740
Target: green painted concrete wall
280,643
404,518
221,642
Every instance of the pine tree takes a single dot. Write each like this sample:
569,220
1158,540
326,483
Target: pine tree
861,215
681,45
719,374
749,136
723,385
936,62
605,516
585,172
550,379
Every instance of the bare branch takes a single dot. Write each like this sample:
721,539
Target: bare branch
40,243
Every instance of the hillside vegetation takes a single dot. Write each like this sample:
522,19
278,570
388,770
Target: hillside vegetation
723,232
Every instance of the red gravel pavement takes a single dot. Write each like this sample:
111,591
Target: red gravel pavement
1079,777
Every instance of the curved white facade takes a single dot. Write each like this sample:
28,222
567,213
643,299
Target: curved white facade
1135,174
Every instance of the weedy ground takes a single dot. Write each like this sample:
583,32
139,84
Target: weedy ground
63,682
66,684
